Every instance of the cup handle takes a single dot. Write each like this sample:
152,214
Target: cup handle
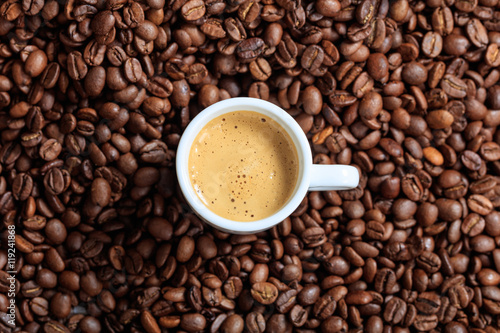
327,177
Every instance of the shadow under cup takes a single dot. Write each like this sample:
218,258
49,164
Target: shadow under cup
284,120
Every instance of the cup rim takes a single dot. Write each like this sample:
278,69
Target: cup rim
244,104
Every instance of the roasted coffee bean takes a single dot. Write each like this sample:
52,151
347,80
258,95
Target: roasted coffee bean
193,10
40,306
264,292
358,297
50,150
473,225
60,305
149,322
325,307
453,86
428,302
255,322
385,280
22,186
471,160
260,69
77,69
286,300
193,322
395,310
482,243
375,230
309,295
132,70
334,323
53,326
213,28
196,73
490,151
250,49
298,315
491,56
100,192
479,204
425,322
312,58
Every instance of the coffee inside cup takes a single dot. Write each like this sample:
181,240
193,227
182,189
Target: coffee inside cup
243,166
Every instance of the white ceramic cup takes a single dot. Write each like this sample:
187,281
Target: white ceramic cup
312,177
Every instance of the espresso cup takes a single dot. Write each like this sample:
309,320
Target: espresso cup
310,177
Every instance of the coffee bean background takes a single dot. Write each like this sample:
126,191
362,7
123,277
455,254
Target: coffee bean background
95,94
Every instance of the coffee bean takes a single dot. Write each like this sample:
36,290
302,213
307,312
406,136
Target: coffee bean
69,280
193,10
455,44
260,69
40,306
395,310
23,245
385,280
264,292
53,326
22,186
286,300
414,73
490,151
298,316
453,86
193,322
170,321
428,302
54,261
312,58
250,49
149,323
375,230
132,70
185,249
429,261
89,324
488,277
213,28
77,69
328,8
439,119
197,73
50,150
102,22
255,322
233,323
95,81
471,160
479,204
482,243
60,305
36,63
100,192
491,56
55,231
425,322
332,324
358,297
312,100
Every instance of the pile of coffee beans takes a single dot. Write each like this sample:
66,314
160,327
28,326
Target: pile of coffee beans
95,94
